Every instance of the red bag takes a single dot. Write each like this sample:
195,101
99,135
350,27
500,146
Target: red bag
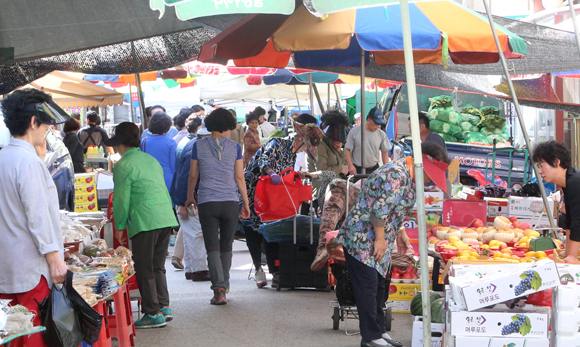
275,202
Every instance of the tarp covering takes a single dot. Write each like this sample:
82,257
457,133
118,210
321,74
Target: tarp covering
68,91
237,88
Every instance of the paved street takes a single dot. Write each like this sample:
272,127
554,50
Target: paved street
253,317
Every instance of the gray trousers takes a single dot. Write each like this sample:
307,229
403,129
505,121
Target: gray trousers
149,253
219,220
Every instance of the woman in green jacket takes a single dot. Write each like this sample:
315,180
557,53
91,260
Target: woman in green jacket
141,204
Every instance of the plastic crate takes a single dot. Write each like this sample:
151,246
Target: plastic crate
295,261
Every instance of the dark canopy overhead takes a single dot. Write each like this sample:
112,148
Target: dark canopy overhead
39,29
99,37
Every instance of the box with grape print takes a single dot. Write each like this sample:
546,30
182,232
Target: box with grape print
464,341
527,279
530,324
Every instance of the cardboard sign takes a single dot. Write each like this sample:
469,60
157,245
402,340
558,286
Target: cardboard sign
453,172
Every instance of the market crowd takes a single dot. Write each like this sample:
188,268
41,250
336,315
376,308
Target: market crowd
197,174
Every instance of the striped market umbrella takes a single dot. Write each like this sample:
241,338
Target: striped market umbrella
440,30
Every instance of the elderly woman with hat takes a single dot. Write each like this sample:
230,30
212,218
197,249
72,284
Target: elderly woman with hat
275,156
31,251
373,224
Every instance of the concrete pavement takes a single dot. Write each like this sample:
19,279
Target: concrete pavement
253,317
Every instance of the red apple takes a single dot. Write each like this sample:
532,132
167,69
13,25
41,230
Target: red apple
408,276
395,275
392,289
90,189
512,227
410,269
525,225
88,179
434,229
503,246
91,197
513,219
415,277
517,224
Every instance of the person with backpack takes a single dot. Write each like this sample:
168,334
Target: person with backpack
92,135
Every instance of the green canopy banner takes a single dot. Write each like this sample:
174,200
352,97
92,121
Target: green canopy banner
188,9
332,6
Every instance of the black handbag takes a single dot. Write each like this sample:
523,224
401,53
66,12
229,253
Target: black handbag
57,314
90,320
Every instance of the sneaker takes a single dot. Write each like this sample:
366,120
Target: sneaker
219,297
322,257
275,280
148,321
176,262
261,281
166,312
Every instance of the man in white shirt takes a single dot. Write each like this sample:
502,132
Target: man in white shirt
265,127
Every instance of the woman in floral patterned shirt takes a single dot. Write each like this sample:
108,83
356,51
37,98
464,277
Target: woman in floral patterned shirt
371,228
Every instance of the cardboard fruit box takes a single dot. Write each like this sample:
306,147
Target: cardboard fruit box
499,323
464,341
529,278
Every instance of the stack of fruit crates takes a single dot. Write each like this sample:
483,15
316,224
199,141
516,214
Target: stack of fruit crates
86,192
486,306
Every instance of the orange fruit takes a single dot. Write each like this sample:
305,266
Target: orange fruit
506,251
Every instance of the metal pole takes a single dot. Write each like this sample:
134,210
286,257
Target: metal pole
131,104
320,104
573,13
377,91
297,99
419,179
328,97
362,111
310,94
141,102
519,114
337,96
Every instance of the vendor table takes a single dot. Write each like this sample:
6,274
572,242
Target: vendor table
7,340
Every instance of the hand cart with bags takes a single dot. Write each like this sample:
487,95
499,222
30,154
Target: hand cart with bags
295,258
345,305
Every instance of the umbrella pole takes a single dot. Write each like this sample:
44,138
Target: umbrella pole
141,102
362,111
320,104
419,179
377,91
297,100
310,94
573,13
131,104
337,96
519,114
328,97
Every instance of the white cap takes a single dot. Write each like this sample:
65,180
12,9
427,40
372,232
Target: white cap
357,115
